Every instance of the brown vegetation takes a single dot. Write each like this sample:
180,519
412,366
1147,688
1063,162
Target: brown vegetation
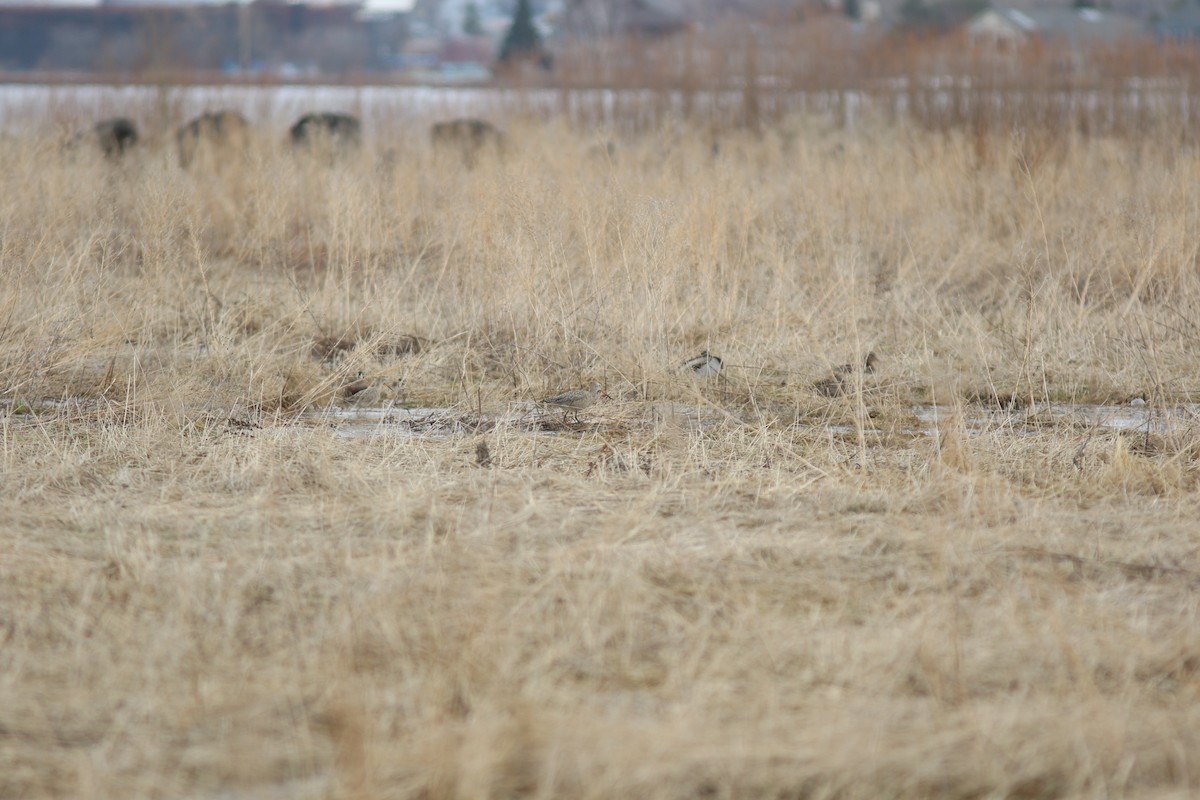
206,591
756,75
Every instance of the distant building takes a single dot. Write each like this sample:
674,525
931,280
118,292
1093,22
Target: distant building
1008,26
1075,27
265,36
644,18
941,17
384,9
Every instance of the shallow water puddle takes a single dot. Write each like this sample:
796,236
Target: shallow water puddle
1057,415
529,418
356,423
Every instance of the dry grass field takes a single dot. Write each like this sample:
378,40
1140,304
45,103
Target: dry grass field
732,588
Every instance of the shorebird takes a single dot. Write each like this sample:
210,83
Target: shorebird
366,392
704,365
357,385
842,378
576,400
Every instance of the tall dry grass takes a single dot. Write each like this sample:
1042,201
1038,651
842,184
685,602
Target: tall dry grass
205,593
754,75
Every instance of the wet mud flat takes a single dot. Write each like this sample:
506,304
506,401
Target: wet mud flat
522,417
525,417
921,419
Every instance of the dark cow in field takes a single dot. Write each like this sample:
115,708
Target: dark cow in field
212,132
334,131
115,136
469,137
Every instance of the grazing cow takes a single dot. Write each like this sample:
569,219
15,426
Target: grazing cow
210,132
467,136
115,136
333,131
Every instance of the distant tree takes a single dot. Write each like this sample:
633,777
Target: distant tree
522,37
472,25
852,9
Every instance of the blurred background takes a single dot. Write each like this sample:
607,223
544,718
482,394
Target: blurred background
1087,66
689,43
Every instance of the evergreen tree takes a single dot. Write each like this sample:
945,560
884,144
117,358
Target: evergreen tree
522,37
472,26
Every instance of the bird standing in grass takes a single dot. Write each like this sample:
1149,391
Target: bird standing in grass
355,386
483,454
367,392
842,379
576,400
704,365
